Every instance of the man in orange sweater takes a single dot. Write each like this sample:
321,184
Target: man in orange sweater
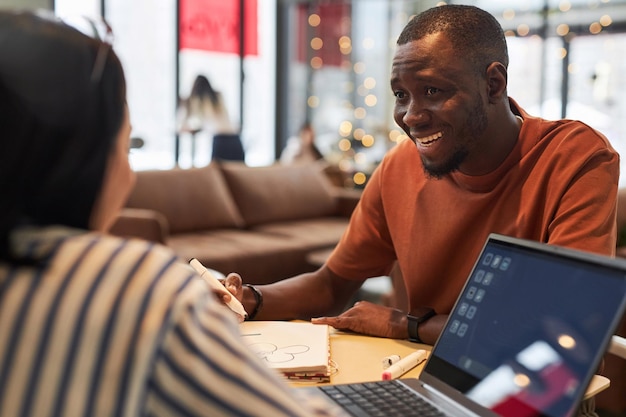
476,163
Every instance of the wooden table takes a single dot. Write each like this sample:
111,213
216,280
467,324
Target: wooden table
360,358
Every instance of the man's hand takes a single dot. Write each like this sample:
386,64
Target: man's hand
232,288
370,319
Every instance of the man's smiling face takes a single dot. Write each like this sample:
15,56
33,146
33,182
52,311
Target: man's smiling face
440,104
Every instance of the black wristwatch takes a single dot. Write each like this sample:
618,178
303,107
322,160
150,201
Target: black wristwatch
414,320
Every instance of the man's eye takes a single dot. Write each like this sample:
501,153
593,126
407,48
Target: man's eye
429,91
398,94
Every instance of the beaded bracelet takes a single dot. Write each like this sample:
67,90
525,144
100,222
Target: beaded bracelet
258,296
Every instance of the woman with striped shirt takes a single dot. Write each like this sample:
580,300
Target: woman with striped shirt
90,324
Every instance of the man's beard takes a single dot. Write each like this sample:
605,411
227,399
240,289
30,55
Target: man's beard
436,172
476,124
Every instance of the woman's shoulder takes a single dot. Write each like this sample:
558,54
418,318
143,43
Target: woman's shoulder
138,260
127,245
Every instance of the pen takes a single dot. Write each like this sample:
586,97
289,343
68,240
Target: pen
404,365
214,283
390,360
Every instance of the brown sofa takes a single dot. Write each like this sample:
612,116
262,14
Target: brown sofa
262,222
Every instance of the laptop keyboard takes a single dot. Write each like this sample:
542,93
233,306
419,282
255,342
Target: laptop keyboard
381,398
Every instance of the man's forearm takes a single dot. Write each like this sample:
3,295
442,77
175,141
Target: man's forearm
301,297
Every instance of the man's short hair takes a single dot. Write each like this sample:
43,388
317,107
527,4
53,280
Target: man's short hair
473,32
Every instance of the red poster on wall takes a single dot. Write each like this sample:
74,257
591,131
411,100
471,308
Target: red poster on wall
334,23
214,25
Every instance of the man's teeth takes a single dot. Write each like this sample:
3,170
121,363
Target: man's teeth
428,140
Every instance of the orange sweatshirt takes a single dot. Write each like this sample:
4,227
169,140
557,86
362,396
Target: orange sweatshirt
558,185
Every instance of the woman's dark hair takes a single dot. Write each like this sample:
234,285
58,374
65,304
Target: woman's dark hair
203,89
57,125
473,32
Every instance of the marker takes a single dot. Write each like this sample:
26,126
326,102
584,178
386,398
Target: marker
390,360
405,365
214,283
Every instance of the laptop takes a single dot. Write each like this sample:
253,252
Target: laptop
525,337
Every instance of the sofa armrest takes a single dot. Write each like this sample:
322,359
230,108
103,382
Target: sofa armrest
346,199
141,223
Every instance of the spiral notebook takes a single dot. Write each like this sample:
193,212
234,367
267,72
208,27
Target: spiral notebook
299,350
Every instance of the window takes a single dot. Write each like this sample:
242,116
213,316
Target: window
146,39
332,61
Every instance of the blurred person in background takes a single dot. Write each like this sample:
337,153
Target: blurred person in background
205,111
301,148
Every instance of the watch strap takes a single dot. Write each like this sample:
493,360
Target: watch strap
413,322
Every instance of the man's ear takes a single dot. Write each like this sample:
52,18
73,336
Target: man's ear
497,78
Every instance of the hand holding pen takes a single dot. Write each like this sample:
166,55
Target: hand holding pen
233,303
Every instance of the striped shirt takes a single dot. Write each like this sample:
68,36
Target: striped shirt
121,327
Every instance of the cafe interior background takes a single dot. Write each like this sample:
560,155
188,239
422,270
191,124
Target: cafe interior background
328,61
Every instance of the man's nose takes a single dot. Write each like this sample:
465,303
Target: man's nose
415,114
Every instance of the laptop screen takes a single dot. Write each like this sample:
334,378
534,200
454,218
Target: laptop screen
529,328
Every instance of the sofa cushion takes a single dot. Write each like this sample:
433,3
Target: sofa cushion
315,232
279,192
190,199
260,258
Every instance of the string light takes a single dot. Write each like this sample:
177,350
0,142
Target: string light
313,101
345,128
363,102
595,28
369,83
316,62
370,100
565,6
368,141
360,158
606,20
562,29
360,113
358,133
508,14
344,145
523,29
317,43
314,20
359,178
